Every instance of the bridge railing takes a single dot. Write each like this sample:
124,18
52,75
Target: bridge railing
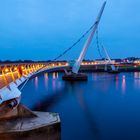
11,72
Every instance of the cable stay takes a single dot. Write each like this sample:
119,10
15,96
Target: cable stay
74,44
74,75
78,62
107,57
97,44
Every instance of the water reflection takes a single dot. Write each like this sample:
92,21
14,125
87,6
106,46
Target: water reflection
137,79
36,83
86,112
137,75
52,99
117,81
55,81
94,76
123,84
55,75
91,121
103,79
46,78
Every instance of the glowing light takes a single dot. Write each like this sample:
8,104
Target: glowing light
15,68
22,67
6,70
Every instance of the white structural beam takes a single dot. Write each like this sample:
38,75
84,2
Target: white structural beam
77,64
107,56
112,66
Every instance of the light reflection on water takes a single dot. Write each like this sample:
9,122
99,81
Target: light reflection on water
46,78
36,83
55,75
136,74
137,80
92,110
123,84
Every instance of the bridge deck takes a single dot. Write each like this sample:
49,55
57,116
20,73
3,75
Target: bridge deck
10,73
8,77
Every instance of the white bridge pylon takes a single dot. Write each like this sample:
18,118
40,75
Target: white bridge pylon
109,59
78,62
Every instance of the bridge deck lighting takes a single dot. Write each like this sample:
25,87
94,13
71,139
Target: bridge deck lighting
15,68
22,67
6,70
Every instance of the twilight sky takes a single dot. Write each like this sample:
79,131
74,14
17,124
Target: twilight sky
42,29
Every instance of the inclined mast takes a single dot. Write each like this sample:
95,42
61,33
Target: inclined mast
78,62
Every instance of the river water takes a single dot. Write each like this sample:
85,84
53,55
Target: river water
106,107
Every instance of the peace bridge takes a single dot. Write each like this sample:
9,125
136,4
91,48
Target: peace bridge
16,71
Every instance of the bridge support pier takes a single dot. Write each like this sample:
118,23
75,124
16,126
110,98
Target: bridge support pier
30,125
75,77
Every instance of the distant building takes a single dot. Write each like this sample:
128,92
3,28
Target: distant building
137,61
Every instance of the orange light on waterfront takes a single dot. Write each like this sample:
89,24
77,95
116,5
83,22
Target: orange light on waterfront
137,62
95,63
